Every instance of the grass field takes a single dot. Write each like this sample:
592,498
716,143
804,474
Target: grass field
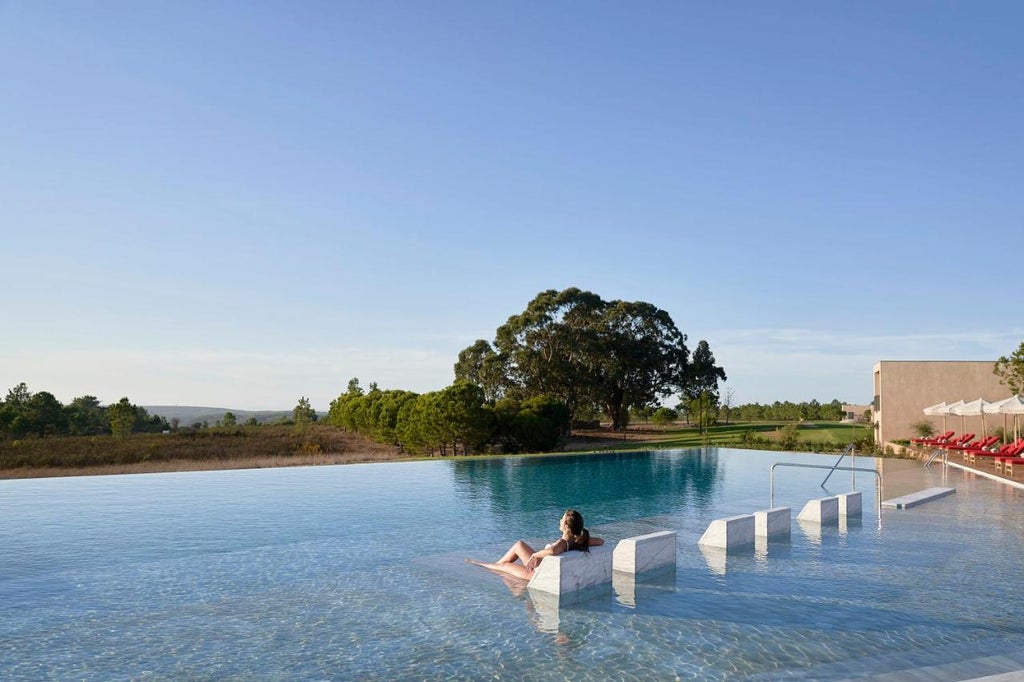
761,435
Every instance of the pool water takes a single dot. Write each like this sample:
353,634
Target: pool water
357,572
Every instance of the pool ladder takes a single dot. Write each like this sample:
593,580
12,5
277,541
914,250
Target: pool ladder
850,449
935,453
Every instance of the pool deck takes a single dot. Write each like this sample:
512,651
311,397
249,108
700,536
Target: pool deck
986,469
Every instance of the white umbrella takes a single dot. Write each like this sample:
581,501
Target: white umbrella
974,408
952,408
993,408
1013,405
937,409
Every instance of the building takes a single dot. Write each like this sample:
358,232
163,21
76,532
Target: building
855,413
903,388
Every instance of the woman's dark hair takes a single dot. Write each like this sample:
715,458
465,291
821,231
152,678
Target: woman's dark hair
579,537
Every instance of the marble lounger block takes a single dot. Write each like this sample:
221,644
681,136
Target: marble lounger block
773,522
729,533
571,572
645,552
850,504
823,510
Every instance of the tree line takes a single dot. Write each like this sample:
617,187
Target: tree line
41,414
23,413
457,419
787,411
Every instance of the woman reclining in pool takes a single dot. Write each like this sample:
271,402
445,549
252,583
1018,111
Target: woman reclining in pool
574,537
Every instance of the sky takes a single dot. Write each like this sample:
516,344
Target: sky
238,204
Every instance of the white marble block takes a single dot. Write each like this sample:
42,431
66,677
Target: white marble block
645,552
823,510
850,504
573,571
729,533
772,522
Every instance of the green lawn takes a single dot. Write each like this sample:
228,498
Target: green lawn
831,435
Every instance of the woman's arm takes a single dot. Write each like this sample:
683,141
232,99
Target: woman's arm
595,542
554,550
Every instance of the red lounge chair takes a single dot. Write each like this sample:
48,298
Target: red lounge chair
1009,463
981,445
934,440
1008,450
945,441
959,440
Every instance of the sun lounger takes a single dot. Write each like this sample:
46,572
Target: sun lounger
1009,450
981,445
959,440
934,440
1009,463
951,440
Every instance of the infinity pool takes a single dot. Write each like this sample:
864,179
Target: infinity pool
357,572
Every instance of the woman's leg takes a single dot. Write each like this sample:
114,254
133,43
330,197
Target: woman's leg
515,570
520,551
507,563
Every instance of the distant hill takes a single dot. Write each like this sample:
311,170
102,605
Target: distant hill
190,414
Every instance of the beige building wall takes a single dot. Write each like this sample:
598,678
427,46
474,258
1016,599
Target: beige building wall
853,413
903,388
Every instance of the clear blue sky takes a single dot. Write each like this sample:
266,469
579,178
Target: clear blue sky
240,203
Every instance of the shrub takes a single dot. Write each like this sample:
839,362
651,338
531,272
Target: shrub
663,416
789,437
923,428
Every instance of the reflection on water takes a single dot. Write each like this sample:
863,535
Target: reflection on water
716,558
645,483
626,585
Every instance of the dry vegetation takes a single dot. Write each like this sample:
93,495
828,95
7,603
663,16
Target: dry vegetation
318,444
220,448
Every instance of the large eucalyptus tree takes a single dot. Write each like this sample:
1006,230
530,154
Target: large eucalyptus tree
583,351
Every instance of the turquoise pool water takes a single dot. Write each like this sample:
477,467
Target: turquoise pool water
357,572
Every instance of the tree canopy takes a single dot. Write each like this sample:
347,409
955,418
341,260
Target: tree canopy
583,351
123,416
700,395
1010,369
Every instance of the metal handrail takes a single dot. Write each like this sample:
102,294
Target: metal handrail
849,449
878,482
936,453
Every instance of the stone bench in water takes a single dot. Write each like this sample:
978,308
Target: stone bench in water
572,572
645,553
732,532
